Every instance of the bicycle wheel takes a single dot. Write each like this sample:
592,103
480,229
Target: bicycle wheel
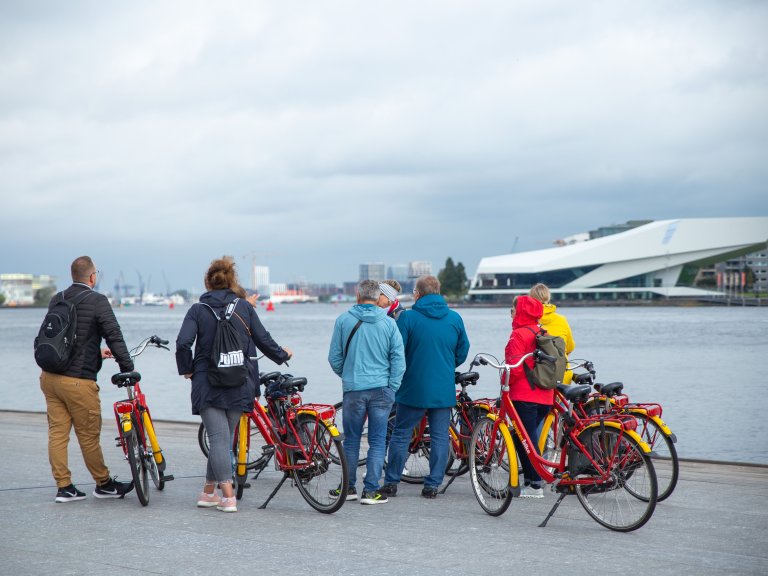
458,464
137,463
551,439
259,450
489,449
326,470
665,461
625,497
417,464
362,459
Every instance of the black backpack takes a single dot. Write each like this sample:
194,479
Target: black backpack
546,374
56,338
228,368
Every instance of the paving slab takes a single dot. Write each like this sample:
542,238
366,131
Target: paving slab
716,522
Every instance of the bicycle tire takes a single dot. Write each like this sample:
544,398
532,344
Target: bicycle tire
489,447
363,458
417,464
665,460
259,451
137,463
550,440
625,499
326,469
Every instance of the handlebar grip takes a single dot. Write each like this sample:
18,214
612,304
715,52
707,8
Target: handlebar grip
544,356
157,340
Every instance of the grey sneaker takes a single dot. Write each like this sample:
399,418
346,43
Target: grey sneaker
351,493
531,492
373,498
69,494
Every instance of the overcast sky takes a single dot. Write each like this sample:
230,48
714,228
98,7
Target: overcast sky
156,136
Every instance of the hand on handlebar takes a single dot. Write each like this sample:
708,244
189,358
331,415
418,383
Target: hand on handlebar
106,353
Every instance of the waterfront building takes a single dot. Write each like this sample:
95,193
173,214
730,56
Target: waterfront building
398,272
418,268
641,260
20,289
261,279
373,271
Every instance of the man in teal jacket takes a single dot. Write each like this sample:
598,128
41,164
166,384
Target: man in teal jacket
367,352
435,344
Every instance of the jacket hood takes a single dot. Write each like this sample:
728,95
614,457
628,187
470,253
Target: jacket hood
218,298
528,311
549,309
368,312
431,306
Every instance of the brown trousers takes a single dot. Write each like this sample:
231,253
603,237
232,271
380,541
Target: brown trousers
73,402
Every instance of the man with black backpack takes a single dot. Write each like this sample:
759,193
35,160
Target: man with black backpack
67,348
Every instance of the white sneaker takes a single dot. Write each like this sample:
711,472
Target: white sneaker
528,492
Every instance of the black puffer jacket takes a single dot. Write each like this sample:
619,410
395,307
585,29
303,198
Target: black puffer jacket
95,320
199,327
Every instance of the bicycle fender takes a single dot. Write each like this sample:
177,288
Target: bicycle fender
631,433
658,421
514,473
545,427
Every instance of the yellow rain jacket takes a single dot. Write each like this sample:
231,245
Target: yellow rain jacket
557,325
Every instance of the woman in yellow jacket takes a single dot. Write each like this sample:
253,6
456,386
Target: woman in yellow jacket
554,323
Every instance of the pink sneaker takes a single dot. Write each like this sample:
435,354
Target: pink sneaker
208,500
227,505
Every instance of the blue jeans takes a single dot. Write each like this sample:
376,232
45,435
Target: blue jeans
532,415
375,405
407,417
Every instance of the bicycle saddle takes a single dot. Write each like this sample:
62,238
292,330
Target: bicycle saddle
468,377
610,389
264,378
574,392
584,378
122,379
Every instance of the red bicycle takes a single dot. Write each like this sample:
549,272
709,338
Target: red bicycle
137,433
601,459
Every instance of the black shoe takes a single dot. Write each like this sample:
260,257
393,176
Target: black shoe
375,497
69,494
112,489
388,490
428,492
351,493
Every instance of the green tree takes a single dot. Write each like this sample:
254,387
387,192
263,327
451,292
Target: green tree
2,298
453,279
43,296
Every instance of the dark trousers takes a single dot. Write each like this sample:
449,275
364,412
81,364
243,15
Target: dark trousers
532,415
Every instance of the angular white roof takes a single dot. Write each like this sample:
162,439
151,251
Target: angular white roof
660,247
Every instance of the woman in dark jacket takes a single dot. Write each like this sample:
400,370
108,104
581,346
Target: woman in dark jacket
220,408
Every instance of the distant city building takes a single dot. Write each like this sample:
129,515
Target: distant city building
261,279
19,289
639,261
418,268
374,271
398,272
350,289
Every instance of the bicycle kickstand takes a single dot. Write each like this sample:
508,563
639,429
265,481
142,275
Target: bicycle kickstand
448,484
263,506
552,512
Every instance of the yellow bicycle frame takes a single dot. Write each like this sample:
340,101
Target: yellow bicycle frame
150,429
242,444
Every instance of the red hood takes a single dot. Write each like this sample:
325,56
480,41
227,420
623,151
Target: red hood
528,311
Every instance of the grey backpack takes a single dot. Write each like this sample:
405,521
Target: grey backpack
547,374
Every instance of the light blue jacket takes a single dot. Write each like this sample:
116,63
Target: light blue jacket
375,357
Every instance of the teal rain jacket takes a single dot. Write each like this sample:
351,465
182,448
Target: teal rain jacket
435,344
375,358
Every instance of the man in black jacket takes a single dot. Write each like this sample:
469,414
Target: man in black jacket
72,396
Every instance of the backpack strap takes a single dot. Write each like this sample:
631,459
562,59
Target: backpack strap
349,339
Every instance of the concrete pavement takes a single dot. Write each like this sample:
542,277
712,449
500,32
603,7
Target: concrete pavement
716,522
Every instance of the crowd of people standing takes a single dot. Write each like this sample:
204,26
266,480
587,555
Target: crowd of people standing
387,358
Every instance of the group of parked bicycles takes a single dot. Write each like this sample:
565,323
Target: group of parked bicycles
617,457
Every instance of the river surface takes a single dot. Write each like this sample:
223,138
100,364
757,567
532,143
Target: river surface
704,365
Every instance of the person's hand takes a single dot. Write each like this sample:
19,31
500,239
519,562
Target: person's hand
106,353
288,351
252,299
188,376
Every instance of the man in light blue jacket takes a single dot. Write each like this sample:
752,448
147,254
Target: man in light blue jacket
367,352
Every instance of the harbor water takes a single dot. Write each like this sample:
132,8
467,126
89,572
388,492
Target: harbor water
703,364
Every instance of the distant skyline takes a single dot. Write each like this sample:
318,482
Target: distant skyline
315,137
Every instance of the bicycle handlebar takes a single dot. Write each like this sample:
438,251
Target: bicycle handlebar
484,359
151,341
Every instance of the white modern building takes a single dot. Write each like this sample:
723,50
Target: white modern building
651,260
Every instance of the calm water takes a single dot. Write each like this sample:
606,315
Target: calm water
704,365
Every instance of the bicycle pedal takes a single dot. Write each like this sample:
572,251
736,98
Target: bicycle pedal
168,478
118,441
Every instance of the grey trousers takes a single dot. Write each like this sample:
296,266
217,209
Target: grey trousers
220,425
